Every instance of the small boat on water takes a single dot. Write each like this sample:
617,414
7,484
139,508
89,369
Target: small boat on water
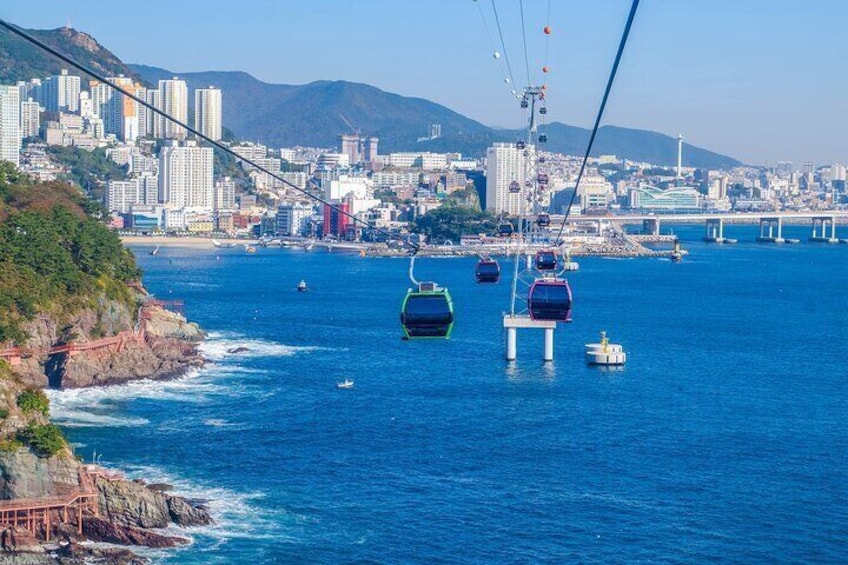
676,254
249,248
155,250
347,383
301,286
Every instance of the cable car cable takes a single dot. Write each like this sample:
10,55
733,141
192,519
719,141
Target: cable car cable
503,45
493,47
613,72
79,66
524,39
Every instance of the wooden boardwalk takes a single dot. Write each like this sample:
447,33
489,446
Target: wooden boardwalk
39,515
115,343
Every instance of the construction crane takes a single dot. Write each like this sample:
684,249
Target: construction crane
356,131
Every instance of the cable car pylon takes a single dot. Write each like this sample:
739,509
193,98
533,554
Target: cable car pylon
534,283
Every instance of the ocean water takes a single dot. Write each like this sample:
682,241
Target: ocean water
724,439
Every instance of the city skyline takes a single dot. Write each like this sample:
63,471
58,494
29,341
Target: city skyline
743,80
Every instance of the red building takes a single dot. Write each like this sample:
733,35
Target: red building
336,223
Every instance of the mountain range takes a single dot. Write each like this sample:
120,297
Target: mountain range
315,114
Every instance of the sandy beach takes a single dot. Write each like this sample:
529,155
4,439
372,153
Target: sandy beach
170,241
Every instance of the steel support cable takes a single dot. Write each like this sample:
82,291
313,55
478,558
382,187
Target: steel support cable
493,46
547,42
524,39
503,45
79,66
613,72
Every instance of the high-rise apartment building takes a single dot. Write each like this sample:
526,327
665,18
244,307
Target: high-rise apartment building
31,89
351,147
225,194
148,120
185,176
371,149
292,218
118,112
61,92
30,118
207,112
10,124
173,100
505,164
121,195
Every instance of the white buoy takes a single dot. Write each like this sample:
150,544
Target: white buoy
605,353
496,55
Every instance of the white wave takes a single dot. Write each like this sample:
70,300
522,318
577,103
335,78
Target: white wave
80,419
220,423
236,514
221,346
95,406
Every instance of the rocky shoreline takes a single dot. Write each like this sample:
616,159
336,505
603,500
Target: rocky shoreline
51,504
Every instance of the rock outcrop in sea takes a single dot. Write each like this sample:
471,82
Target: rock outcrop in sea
152,342
55,497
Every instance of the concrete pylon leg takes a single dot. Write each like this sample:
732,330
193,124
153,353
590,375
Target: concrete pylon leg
549,345
511,345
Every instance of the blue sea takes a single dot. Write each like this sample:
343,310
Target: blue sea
724,439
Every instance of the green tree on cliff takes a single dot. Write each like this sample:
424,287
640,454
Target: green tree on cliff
54,256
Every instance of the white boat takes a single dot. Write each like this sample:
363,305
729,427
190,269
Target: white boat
301,286
347,383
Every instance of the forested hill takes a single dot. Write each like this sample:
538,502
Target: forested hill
282,115
56,257
20,60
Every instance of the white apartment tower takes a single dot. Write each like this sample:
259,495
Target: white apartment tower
207,112
185,176
148,120
505,164
225,194
30,118
118,112
61,93
31,89
121,195
173,100
10,124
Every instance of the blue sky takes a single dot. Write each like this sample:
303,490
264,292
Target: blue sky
760,80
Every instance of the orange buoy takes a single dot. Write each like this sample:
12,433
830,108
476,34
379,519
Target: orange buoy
547,30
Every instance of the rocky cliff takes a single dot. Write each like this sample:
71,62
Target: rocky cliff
38,470
160,344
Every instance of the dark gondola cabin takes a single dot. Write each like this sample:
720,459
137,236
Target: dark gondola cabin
543,138
488,271
505,230
543,220
514,187
550,300
427,312
520,145
546,260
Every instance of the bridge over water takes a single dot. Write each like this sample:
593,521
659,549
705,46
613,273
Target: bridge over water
823,223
